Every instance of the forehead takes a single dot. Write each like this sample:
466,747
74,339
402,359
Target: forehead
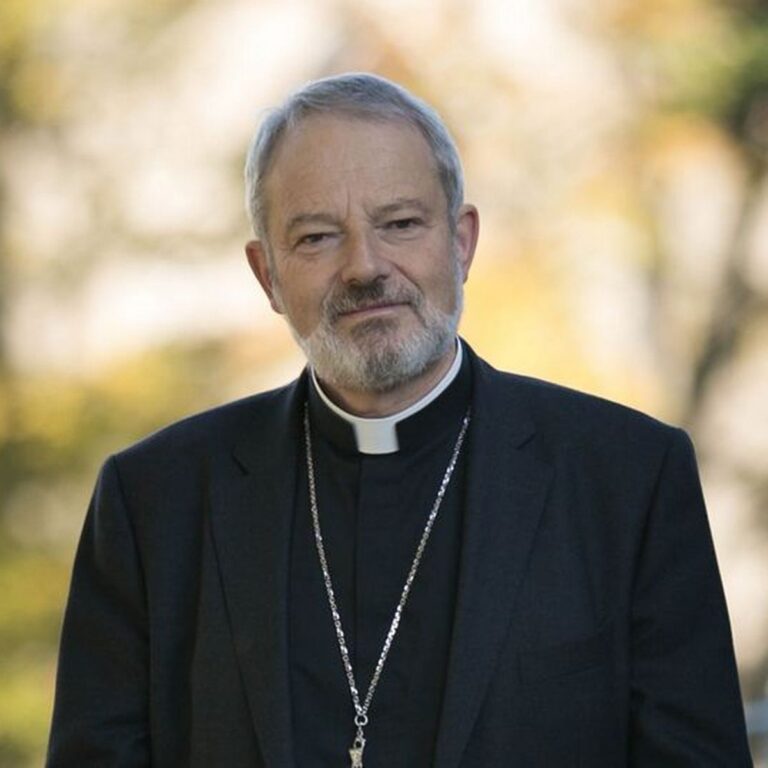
326,161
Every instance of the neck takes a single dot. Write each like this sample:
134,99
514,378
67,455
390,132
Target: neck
375,405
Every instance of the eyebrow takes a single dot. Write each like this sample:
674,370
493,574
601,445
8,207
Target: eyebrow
399,204
309,218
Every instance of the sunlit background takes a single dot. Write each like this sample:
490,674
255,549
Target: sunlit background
617,150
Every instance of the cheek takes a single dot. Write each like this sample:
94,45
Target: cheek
441,285
299,289
303,308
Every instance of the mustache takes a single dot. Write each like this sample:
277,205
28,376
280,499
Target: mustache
357,296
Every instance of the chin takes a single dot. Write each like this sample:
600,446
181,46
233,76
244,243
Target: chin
377,363
378,330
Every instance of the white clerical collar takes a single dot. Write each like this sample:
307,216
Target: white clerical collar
379,436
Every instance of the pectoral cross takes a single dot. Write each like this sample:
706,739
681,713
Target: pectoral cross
356,753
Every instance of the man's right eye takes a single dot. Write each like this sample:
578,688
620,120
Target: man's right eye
313,238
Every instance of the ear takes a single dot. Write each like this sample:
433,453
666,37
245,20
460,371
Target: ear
467,231
259,263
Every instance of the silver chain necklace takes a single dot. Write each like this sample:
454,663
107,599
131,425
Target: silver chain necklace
361,710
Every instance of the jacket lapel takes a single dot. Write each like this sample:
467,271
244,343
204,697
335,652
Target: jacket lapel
252,509
506,489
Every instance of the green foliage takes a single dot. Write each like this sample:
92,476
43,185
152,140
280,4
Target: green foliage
25,706
722,75
22,24
33,588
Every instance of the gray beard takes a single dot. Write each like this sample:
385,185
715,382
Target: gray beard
370,359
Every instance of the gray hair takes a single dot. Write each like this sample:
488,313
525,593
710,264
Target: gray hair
358,95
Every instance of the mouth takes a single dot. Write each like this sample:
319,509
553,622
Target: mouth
374,309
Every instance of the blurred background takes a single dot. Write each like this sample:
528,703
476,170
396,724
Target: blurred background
617,150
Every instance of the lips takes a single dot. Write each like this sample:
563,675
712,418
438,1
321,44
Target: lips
372,307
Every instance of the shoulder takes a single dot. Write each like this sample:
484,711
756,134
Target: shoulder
608,459
562,417
217,428
581,410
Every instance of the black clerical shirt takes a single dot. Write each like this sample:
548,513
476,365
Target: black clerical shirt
373,509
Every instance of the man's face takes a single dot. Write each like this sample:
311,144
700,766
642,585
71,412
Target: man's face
364,263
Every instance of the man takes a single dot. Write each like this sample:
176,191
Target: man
405,557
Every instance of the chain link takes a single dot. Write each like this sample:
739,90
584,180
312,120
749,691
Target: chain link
361,710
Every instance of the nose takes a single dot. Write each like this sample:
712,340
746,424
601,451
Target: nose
363,261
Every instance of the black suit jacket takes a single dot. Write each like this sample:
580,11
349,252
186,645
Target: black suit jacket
590,627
